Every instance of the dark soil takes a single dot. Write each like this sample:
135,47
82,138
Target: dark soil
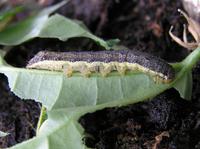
17,117
167,121
137,126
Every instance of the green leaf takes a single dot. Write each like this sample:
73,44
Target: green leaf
63,28
1,57
61,130
10,13
183,81
6,16
43,26
184,86
3,134
28,28
66,99
78,90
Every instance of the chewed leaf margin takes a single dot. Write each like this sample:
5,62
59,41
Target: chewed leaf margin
62,120
40,85
44,26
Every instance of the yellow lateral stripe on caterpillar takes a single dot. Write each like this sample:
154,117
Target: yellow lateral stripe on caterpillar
100,67
103,62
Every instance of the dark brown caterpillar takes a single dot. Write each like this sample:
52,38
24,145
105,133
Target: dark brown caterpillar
103,62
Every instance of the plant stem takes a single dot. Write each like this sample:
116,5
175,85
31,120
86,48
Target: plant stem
191,60
42,118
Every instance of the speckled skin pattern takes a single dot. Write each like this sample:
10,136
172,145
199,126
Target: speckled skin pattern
145,60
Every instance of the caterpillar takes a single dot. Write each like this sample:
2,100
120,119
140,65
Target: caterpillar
103,62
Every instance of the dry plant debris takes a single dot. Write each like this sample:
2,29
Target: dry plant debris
194,30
